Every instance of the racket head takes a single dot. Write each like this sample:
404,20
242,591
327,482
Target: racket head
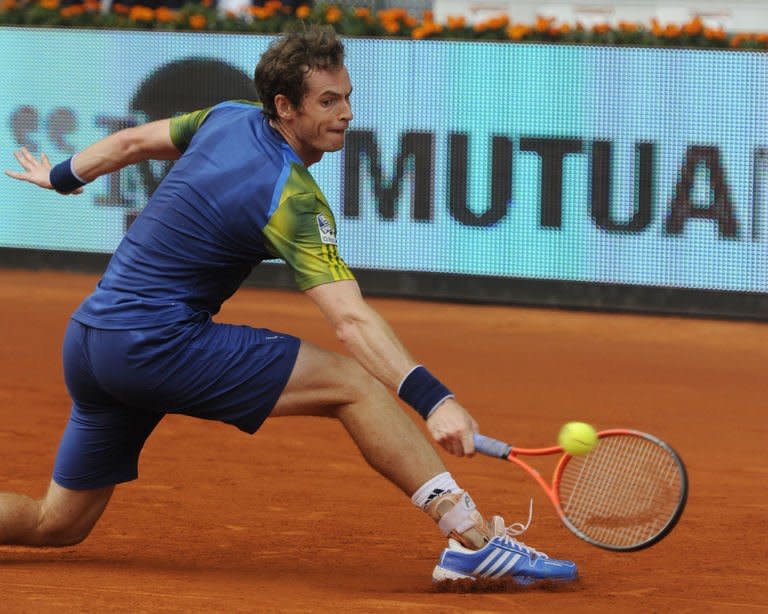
625,495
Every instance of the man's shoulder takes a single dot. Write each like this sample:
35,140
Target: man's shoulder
301,185
251,105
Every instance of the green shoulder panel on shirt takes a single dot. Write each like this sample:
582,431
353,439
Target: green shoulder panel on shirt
302,231
183,127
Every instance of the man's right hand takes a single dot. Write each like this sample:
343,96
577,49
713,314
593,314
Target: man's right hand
453,428
35,171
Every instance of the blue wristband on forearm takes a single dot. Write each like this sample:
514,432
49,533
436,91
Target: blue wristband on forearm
423,391
64,179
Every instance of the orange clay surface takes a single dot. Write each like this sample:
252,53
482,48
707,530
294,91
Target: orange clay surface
292,519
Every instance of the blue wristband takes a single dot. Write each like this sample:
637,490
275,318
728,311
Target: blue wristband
423,391
63,178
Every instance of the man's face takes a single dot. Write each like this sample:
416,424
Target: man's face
324,115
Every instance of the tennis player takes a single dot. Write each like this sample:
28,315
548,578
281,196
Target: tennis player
145,344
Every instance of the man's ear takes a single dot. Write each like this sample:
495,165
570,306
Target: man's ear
284,107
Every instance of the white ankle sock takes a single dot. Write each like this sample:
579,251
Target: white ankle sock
441,483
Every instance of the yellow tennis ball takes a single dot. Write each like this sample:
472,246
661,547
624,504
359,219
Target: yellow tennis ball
577,438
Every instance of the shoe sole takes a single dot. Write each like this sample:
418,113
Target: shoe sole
441,574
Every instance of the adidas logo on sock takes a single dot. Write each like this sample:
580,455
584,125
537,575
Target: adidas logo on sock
434,495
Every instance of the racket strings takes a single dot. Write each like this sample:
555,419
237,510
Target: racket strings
622,493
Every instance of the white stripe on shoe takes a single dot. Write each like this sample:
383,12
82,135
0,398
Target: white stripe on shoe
499,562
507,567
486,561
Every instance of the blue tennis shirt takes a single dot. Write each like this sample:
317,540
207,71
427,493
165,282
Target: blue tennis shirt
238,195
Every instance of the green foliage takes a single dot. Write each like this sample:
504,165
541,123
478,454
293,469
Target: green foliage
350,21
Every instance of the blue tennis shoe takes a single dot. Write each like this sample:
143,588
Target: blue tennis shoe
502,558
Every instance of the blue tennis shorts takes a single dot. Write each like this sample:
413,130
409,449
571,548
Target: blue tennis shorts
122,383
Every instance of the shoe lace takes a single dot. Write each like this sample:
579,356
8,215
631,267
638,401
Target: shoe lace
518,528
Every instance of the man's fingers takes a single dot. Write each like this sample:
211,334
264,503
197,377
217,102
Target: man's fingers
455,447
45,160
468,440
21,176
457,444
19,155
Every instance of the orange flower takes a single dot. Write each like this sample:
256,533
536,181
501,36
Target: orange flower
543,23
761,38
627,26
518,32
259,12
656,27
601,28
303,11
737,40
694,27
391,27
427,29
455,23
392,14
714,33
333,14
165,15
50,5
206,3
72,10
197,21
141,13
497,22
363,12
565,28
120,9
672,31
492,23
7,5
273,5
92,5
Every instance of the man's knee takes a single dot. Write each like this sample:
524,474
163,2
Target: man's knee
59,532
359,384
66,517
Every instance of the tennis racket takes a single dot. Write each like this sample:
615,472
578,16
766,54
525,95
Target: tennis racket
626,494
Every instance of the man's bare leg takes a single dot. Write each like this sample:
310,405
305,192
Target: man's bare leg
327,384
63,517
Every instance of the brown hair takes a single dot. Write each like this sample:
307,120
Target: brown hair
285,65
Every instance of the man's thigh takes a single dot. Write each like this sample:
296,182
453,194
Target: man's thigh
323,381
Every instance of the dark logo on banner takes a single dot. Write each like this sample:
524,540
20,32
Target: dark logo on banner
701,191
415,162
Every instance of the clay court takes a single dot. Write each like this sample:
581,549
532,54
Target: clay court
292,519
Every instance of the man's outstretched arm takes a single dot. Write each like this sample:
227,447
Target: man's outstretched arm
151,141
374,345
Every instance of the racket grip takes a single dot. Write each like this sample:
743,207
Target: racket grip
491,447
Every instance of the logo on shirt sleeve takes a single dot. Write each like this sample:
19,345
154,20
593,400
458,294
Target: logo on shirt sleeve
327,231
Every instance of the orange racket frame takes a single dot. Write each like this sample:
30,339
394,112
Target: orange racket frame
499,449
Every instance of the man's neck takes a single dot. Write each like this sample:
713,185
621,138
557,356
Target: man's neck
307,157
